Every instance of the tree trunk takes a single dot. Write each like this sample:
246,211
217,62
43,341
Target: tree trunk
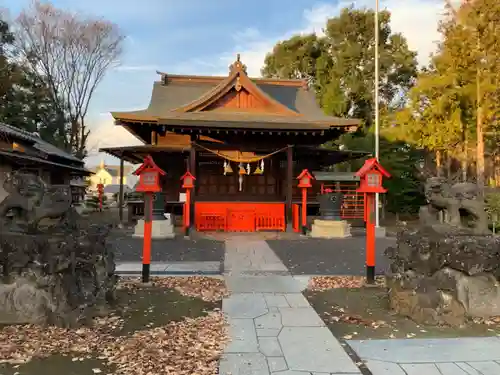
480,139
465,155
438,163
449,162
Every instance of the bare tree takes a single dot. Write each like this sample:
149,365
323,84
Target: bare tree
71,54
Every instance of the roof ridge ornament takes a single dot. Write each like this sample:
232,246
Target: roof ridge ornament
238,66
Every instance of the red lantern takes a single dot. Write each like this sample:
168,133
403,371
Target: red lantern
371,175
149,176
305,179
304,182
100,188
188,180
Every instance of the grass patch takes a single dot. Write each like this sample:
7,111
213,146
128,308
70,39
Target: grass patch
151,329
363,313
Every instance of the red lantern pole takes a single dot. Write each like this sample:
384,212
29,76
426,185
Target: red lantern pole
304,210
370,238
187,217
188,184
146,249
149,183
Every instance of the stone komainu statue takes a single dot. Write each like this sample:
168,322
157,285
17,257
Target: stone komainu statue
30,201
464,208
64,275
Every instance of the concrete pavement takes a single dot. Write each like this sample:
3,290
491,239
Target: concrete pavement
456,356
274,330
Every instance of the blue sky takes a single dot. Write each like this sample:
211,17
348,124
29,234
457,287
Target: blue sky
203,37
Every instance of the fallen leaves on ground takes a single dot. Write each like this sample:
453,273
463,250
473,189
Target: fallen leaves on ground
320,283
187,347
492,321
342,317
191,346
208,289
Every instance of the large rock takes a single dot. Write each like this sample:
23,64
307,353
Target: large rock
61,279
443,277
55,267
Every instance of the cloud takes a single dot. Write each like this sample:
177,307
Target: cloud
136,68
417,20
104,133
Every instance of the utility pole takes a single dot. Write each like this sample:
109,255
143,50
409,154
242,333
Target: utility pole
377,120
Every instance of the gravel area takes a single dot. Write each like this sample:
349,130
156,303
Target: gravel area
129,249
311,256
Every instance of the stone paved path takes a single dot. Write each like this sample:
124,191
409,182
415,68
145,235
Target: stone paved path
461,356
273,328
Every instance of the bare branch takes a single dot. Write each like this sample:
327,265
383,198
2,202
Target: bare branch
72,53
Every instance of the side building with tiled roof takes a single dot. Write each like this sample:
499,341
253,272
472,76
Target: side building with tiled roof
21,150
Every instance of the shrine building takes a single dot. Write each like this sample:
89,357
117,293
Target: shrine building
245,140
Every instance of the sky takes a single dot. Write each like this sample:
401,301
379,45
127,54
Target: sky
203,37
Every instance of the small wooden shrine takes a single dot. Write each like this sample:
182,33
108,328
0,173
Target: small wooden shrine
244,139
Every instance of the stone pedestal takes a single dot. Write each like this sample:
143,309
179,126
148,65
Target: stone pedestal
380,232
161,229
330,229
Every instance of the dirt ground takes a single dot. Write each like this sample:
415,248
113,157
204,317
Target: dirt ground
140,310
363,314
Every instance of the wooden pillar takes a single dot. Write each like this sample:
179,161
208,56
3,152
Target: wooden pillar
120,197
154,138
289,183
193,170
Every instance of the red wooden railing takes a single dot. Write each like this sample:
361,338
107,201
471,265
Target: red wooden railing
239,216
353,203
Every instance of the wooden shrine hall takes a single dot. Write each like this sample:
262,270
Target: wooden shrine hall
244,139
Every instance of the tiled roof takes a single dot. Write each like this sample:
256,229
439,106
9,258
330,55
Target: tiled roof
166,98
38,143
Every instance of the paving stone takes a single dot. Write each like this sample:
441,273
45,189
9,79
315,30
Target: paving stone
269,346
464,349
243,364
137,267
277,364
468,369
245,305
420,368
268,332
266,284
450,369
271,320
297,300
273,266
314,349
276,300
385,368
201,267
243,337
300,317
303,280
486,368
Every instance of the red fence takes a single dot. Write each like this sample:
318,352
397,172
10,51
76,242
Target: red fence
353,203
239,216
